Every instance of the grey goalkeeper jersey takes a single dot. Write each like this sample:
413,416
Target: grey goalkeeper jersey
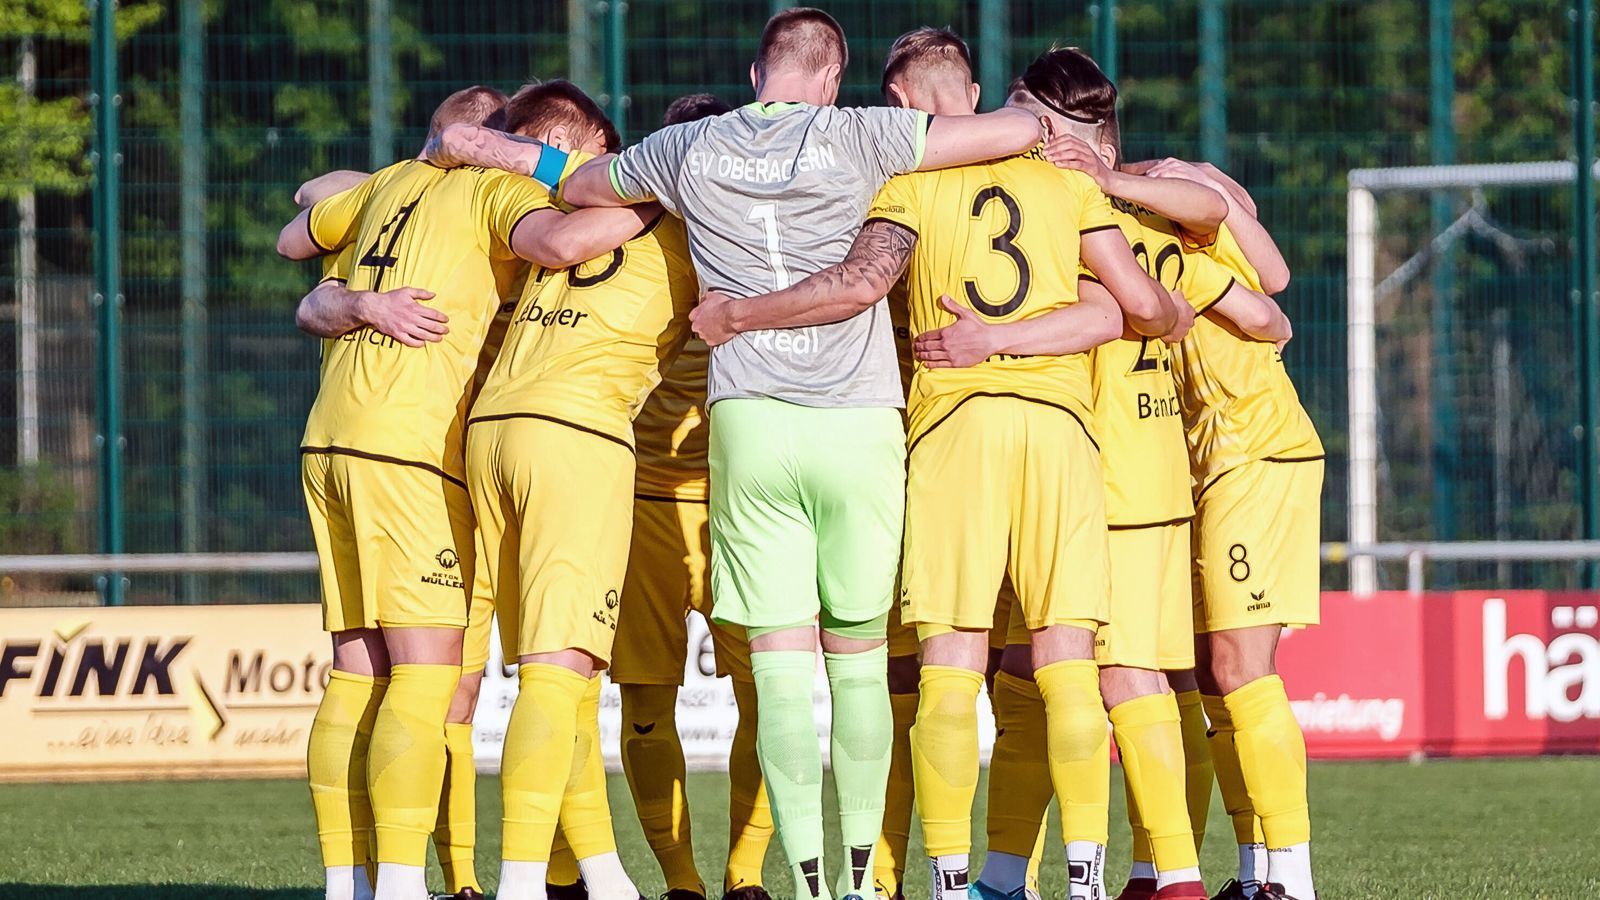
772,193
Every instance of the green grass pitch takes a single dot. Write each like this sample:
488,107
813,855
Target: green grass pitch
1448,829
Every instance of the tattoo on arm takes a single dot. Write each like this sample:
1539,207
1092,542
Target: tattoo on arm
879,255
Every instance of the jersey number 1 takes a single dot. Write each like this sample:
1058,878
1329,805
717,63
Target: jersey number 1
767,215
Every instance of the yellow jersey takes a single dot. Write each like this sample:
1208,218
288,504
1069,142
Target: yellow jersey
1137,415
587,344
337,266
448,231
1000,239
672,430
1239,405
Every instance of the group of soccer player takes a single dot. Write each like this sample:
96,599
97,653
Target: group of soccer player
1100,500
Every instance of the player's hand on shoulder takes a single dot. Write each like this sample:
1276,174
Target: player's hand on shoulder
965,342
402,315
1207,174
448,149
712,318
1066,151
1185,319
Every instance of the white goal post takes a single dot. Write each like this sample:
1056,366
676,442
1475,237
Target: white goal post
1363,287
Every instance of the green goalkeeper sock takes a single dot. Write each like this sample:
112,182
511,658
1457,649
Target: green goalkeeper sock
786,745
862,745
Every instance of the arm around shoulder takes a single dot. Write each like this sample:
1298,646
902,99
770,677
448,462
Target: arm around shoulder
963,140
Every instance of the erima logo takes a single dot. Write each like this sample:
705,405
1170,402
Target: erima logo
1561,678
643,729
1259,601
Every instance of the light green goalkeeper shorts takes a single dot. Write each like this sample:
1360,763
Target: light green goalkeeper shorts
807,507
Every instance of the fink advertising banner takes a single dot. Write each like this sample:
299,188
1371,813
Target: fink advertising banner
159,692
231,691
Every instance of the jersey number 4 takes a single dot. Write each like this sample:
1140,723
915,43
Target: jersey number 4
384,260
1005,244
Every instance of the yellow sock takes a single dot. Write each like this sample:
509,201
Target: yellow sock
1142,851
944,757
1272,758
889,862
652,758
406,760
749,813
1230,780
455,833
1150,741
363,743
1080,751
1198,773
563,868
1019,771
337,770
585,808
537,760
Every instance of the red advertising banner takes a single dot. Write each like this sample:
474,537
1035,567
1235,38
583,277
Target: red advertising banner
1471,673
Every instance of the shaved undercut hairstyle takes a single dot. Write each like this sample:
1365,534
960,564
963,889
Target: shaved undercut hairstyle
927,50
476,105
542,105
694,107
802,39
1069,83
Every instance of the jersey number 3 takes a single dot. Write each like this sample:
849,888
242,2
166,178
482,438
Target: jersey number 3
1003,243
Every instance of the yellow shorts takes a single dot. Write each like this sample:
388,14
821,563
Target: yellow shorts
394,542
902,637
1256,547
480,621
1152,624
555,510
1001,487
666,580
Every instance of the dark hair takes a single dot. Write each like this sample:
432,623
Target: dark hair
1067,81
540,106
693,107
475,105
801,38
926,47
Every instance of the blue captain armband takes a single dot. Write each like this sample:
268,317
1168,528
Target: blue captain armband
552,163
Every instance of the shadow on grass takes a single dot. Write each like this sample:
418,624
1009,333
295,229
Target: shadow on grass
153,891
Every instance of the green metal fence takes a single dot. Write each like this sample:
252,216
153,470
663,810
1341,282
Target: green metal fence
219,109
